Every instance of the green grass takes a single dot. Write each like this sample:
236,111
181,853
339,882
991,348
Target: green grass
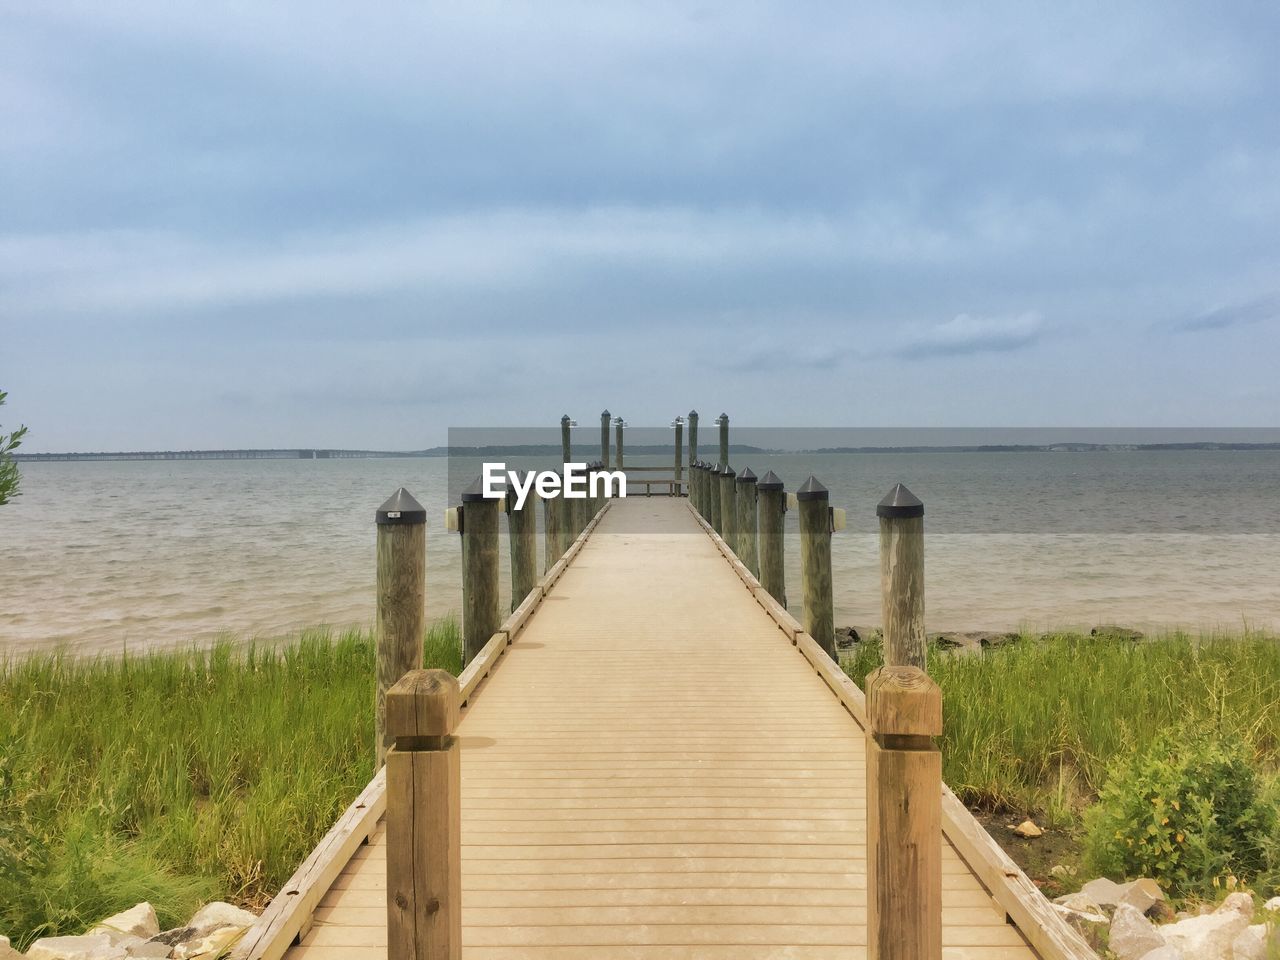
178,777
1034,727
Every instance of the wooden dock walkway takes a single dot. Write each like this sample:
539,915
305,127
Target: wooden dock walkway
654,769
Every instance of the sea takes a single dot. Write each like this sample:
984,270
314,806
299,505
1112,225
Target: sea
99,557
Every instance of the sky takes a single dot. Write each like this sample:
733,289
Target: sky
248,224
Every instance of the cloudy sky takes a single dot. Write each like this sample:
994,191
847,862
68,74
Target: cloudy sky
276,224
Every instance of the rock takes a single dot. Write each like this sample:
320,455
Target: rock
1142,894
95,947
1133,936
138,921
1112,632
1272,904
209,947
958,642
1208,937
214,915
152,948
177,935
1239,902
1250,943
1162,953
846,637
1028,829
7,952
1078,907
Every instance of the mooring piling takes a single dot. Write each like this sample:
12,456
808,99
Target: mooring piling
402,594
901,516
772,509
745,496
522,534
480,612
815,563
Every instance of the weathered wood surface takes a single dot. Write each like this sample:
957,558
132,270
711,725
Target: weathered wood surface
401,614
654,770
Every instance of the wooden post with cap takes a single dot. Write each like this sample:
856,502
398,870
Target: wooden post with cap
693,439
522,534
713,500
815,564
679,425
745,497
424,819
480,610
604,438
728,507
769,535
402,593
901,516
904,816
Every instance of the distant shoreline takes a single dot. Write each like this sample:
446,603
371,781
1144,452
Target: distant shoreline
316,453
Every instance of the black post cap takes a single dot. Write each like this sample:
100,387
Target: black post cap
693,413
727,471
605,414
900,503
475,492
400,508
811,489
565,418
746,476
769,481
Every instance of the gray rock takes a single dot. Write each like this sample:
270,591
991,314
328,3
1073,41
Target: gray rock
152,948
213,916
95,947
209,947
958,643
1141,894
1133,936
1112,632
1208,937
138,921
1081,903
177,935
1238,902
1250,943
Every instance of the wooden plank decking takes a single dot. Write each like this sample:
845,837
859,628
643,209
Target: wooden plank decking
654,771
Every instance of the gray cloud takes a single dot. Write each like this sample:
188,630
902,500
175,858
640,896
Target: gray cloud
1233,315
963,335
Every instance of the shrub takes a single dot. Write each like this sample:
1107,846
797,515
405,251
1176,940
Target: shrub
1187,811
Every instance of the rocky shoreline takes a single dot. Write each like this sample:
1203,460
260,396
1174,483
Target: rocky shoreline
973,641
1132,921
209,934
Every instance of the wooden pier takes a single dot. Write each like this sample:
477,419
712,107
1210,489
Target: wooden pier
657,761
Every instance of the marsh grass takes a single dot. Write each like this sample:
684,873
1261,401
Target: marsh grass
1034,725
178,776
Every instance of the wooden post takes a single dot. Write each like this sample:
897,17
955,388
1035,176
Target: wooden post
402,602
902,577
700,486
745,497
550,532
480,611
773,506
723,420
521,531
728,508
566,449
675,492
713,500
693,438
424,819
904,816
618,441
815,564
604,438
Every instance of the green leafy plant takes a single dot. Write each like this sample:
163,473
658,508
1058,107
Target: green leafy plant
1189,811
9,476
